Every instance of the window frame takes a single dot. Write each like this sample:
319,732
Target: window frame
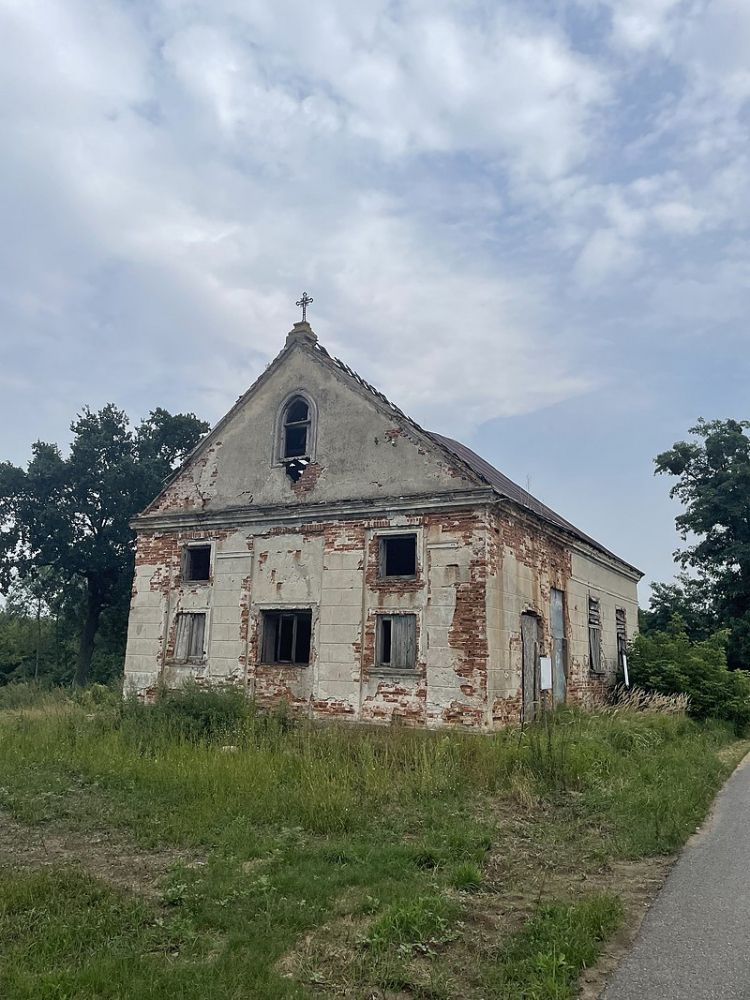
279,447
401,621
621,635
188,641
277,615
383,540
186,579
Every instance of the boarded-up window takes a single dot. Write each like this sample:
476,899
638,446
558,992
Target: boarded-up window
196,564
287,636
595,636
396,642
397,556
190,636
622,636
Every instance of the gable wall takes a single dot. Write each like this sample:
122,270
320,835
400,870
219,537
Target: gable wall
361,452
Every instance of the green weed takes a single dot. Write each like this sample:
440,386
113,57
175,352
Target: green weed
544,960
301,826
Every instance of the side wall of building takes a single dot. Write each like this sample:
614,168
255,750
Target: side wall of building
526,563
331,569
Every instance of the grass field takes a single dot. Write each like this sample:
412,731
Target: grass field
197,849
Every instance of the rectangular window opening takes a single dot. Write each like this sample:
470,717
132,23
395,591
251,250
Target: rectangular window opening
286,636
396,642
398,556
197,563
190,636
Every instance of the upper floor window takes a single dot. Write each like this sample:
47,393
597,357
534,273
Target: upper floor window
397,556
296,436
196,564
296,429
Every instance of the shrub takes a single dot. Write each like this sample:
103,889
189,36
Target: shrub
411,924
190,713
669,663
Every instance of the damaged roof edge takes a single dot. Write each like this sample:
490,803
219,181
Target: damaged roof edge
512,491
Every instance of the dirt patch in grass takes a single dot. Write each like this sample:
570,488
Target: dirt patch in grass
99,854
543,856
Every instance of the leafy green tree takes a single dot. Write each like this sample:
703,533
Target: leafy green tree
713,484
70,516
668,662
690,598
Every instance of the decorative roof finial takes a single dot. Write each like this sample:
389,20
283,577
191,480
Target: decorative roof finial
304,302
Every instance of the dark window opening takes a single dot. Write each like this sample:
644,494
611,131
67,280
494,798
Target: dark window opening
190,636
295,438
396,642
398,555
296,429
386,630
295,441
297,410
287,636
198,563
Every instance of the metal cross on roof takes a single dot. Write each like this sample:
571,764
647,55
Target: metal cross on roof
304,302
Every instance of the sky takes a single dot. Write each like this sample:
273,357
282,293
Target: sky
525,222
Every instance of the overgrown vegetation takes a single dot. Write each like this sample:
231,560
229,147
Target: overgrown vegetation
66,545
669,663
334,862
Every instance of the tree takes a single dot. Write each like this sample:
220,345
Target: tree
71,516
689,597
670,663
713,484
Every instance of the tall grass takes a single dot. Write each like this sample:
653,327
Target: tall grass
185,770
298,823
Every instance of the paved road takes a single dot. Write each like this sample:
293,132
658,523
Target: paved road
694,943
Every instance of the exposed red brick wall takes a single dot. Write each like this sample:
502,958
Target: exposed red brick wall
308,480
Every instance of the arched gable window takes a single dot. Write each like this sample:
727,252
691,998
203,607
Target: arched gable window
296,435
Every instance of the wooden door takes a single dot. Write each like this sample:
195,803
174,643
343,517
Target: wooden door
530,644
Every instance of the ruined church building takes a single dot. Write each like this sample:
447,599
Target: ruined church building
320,548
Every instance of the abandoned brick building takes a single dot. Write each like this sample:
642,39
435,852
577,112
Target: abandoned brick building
319,547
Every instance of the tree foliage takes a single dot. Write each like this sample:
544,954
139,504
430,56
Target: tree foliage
713,484
690,598
670,663
67,519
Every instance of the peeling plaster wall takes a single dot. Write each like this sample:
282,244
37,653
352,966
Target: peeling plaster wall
593,577
332,569
526,562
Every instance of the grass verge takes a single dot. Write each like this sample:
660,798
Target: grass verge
334,862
